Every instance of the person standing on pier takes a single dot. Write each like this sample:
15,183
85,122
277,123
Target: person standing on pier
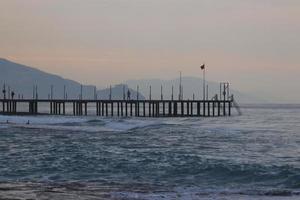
12,95
128,94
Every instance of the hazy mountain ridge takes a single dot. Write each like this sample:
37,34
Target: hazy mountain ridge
22,78
191,86
118,93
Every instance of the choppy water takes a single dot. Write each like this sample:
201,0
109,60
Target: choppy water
254,156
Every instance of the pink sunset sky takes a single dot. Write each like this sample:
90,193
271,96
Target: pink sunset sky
254,44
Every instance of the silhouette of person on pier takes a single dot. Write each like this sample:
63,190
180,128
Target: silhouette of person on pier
128,95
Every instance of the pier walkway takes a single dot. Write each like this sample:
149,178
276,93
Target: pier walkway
118,108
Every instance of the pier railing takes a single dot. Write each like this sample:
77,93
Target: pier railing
118,108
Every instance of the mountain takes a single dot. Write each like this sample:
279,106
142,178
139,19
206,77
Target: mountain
191,85
117,93
21,79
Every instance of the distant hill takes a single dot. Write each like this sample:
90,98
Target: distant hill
191,85
118,93
21,79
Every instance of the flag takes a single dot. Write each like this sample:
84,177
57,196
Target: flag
202,66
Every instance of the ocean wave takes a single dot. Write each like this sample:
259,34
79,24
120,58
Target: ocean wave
84,191
209,194
6,119
88,124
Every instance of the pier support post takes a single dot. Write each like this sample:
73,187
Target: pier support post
85,109
214,105
198,109
170,108
9,107
59,108
137,107
175,108
74,112
99,109
52,108
118,109
36,107
153,109
102,108
15,107
76,108
64,108
29,108
122,109
106,109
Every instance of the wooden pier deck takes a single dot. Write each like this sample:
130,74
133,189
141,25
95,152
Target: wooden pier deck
117,108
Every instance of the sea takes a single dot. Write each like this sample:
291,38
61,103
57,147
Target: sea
252,156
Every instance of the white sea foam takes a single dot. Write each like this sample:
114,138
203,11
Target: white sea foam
129,124
74,128
88,124
39,119
195,196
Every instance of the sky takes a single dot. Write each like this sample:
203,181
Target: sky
253,44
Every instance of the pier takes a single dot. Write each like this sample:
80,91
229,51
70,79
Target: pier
117,108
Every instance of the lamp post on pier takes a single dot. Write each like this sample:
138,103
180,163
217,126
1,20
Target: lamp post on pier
202,67
137,92
150,94
161,93
110,92
180,87
51,92
172,95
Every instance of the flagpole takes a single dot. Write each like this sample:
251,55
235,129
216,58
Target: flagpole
180,87
204,84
